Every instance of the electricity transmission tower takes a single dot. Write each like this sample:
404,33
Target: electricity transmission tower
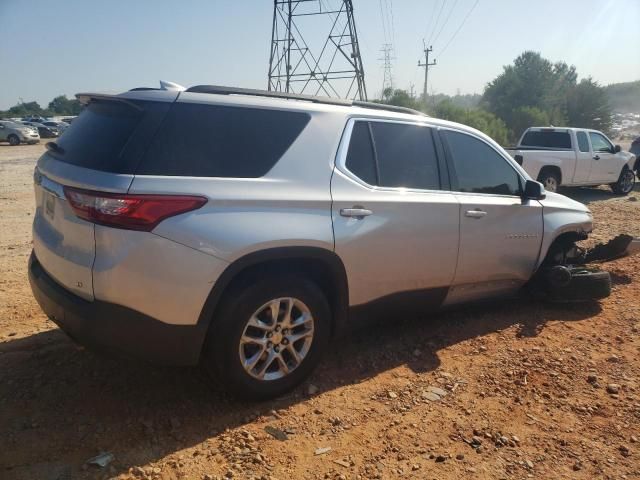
299,63
426,66
387,58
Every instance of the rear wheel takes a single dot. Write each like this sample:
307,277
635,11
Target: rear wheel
550,180
625,183
13,140
268,336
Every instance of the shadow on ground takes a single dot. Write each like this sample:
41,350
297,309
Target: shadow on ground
60,405
587,195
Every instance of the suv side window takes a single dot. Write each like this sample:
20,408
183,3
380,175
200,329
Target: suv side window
219,141
479,168
406,156
393,155
600,143
361,159
583,142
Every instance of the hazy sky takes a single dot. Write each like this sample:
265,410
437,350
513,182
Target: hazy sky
58,47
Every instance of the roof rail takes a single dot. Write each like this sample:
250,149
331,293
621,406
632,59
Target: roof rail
220,90
386,106
264,93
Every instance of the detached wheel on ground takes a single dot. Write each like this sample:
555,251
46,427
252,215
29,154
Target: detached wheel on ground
13,140
625,183
584,284
550,180
268,336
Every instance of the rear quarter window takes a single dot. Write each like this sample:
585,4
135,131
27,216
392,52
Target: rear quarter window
219,141
542,139
98,137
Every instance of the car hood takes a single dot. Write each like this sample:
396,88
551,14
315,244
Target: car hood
560,202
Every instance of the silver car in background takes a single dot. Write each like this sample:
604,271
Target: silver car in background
16,133
243,229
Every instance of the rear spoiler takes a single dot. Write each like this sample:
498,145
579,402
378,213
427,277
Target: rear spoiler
86,98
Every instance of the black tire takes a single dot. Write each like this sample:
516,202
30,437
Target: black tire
586,284
550,180
221,352
625,182
13,140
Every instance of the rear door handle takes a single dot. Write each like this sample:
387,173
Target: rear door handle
358,213
596,157
475,213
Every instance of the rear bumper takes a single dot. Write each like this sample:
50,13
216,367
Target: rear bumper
113,328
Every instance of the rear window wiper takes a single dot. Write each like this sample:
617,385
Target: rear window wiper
54,147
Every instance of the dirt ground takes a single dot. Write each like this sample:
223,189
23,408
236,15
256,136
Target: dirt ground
514,389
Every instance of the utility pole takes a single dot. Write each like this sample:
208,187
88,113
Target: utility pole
411,88
329,64
426,66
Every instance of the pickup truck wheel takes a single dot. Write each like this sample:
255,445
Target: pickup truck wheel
13,140
550,181
625,183
586,284
268,336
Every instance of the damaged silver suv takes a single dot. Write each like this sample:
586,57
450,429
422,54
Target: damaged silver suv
243,229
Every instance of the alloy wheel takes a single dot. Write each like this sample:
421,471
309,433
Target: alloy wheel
276,339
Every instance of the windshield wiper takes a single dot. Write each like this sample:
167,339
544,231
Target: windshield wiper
54,147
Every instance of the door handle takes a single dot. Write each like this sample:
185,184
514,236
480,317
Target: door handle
358,213
596,157
475,213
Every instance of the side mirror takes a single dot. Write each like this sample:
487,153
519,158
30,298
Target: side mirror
534,190
616,149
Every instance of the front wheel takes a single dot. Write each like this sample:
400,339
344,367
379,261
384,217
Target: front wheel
268,336
625,183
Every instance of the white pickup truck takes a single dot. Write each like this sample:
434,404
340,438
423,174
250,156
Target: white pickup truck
572,157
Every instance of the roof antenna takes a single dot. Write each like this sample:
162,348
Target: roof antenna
164,85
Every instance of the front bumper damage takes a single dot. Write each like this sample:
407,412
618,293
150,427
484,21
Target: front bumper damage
572,275
618,247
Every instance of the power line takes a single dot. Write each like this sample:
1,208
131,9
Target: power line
384,27
435,25
435,40
460,27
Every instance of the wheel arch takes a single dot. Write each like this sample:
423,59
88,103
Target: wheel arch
551,169
322,265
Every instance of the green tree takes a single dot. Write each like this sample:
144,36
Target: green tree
588,106
476,118
399,98
61,105
525,117
538,91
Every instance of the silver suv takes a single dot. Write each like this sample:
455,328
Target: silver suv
244,229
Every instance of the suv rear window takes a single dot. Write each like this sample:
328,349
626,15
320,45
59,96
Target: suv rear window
544,139
98,137
219,141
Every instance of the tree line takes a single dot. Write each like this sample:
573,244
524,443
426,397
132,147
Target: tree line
60,105
531,91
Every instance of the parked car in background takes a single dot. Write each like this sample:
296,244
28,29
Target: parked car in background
574,157
16,133
44,130
68,119
60,126
277,218
34,118
635,149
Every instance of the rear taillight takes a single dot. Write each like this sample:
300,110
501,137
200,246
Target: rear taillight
131,212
